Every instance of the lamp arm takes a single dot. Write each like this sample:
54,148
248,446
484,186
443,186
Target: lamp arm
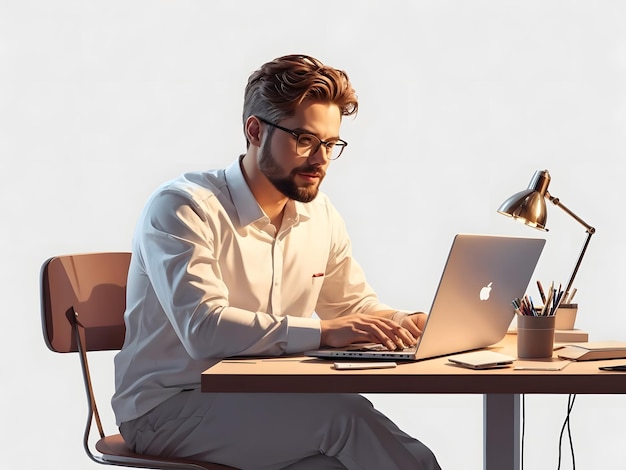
580,258
590,231
557,202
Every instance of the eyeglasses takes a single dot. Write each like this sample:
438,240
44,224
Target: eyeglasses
308,144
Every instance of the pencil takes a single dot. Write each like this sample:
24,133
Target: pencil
546,306
541,293
571,296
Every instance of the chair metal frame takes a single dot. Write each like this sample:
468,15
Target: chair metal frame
60,298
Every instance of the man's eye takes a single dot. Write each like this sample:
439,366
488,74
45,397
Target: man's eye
306,139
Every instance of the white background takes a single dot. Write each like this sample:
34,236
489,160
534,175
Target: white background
460,102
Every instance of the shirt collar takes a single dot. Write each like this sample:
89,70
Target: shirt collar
247,207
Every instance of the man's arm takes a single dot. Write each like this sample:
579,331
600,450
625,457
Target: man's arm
176,249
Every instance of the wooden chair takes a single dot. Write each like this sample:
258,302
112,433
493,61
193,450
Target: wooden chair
83,298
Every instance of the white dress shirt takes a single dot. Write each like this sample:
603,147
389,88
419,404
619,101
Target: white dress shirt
210,277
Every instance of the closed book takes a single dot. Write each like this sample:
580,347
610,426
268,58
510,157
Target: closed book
593,351
570,336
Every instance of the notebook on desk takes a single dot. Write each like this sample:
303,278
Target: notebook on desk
472,305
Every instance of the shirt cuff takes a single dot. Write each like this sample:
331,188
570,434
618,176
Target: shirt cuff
303,334
399,316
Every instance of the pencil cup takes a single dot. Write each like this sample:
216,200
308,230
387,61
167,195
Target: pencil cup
566,316
535,336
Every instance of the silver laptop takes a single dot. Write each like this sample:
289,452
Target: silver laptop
472,306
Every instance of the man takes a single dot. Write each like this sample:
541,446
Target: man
234,262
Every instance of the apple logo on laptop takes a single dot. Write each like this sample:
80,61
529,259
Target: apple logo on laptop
485,292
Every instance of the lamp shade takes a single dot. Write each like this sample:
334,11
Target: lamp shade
529,206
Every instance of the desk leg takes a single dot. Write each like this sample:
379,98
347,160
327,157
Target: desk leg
501,431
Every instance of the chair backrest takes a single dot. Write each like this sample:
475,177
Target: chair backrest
92,286
83,299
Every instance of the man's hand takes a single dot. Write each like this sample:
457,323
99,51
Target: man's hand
361,328
415,323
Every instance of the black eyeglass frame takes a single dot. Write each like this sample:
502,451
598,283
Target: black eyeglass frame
329,145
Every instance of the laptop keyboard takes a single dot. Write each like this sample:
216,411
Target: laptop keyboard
380,347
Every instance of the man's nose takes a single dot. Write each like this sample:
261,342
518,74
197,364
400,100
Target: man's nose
321,156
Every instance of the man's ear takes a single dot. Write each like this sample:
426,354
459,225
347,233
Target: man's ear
253,131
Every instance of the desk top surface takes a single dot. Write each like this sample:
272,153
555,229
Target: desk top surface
298,374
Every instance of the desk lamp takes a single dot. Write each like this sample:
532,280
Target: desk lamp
529,207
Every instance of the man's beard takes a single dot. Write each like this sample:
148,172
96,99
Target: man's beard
287,184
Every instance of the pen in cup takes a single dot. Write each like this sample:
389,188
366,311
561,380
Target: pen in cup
553,299
571,296
524,306
541,292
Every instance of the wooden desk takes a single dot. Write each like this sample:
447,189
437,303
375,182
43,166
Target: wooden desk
501,387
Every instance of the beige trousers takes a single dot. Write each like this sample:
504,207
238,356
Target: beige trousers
263,431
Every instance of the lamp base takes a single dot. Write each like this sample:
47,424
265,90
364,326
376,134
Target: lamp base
566,316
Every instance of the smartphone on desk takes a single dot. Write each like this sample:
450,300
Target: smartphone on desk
614,368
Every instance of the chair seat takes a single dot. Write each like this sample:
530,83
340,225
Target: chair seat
114,446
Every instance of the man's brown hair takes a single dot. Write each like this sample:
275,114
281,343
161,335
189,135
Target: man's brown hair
276,89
